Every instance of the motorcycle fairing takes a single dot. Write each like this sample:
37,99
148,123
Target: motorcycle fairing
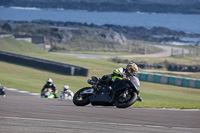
88,91
107,96
118,85
101,97
136,83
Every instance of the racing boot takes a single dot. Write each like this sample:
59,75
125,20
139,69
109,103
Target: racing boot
139,99
55,95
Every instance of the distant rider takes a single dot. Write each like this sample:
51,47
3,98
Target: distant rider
122,73
66,90
49,84
2,90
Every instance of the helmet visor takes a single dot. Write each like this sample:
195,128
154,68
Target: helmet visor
132,72
48,82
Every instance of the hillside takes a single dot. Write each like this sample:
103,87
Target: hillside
11,45
69,37
157,6
72,36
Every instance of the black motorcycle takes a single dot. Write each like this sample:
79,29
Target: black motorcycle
2,91
120,93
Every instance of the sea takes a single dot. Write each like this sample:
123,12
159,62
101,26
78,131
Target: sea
189,23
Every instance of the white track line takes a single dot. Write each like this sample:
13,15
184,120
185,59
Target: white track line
21,91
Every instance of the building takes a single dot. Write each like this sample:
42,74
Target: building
38,40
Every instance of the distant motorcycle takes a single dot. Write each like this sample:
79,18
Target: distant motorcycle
48,93
2,92
66,96
120,93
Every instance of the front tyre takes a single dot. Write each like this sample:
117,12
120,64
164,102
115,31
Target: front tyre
79,99
124,102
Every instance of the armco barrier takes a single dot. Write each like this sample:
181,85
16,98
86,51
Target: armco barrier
178,81
185,82
150,77
197,84
157,78
164,79
53,66
192,83
143,76
171,80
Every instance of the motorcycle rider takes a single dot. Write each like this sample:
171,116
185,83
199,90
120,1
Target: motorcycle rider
122,73
49,84
66,90
2,90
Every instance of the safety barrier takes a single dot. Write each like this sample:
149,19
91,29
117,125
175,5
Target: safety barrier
48,65
183,68
149,66
171,80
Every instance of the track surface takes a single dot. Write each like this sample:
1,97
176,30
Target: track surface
21,112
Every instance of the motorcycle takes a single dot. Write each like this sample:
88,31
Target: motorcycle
120,93
48,93
2,92
66,96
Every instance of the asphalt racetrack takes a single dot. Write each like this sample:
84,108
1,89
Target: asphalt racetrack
21,112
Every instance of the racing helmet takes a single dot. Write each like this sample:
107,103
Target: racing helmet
119,72
66,87
49,81
132,69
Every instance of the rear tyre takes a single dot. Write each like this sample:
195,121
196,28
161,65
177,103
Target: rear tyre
121,102
81,100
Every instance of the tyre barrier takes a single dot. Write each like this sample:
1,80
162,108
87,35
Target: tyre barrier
48,65
149,66
170,80
183,68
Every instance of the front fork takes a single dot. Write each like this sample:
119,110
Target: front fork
125,94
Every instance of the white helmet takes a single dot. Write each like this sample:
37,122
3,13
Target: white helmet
49,81
120,70
66,87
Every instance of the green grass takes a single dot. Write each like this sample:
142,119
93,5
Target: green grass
168,96
150,50
30,79
11,45
93,46
98,52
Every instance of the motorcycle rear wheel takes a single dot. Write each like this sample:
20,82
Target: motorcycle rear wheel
132,97
79,100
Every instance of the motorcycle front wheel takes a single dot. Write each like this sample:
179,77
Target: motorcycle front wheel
124,102
79,99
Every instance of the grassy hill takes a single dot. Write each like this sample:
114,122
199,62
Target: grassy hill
30,79
11,45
